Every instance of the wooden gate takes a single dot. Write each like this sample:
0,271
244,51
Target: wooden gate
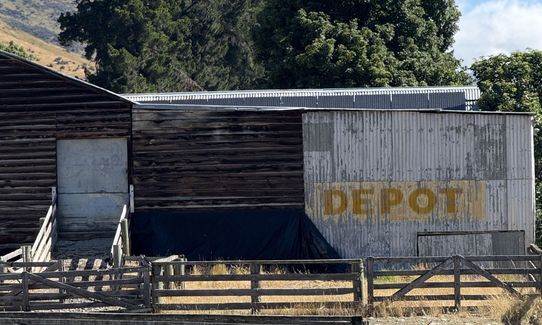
123,288
513,275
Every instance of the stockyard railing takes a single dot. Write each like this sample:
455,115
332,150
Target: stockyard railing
121,241
350,287
120,289
44,244
40,250
452,282
256,285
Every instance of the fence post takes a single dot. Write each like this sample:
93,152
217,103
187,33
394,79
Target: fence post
457,282
62,279
169,272
180,269
356,268
147,287
117,256
540,276
370,284
3,267
125,237
25,300
255,269
156,285
27,256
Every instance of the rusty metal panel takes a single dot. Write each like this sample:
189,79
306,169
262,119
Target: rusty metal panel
471,243
375,179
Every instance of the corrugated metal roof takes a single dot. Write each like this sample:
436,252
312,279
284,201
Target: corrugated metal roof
460,98
194,107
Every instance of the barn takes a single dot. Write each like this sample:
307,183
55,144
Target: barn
56,131
225,180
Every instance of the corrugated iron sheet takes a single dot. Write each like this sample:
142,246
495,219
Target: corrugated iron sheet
453,98
403,173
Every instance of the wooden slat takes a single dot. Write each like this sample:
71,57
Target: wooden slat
260,277
249,292
217,159
82,293
241,306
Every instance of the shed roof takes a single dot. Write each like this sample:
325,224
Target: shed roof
9,56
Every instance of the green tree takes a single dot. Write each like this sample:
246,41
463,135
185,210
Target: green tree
13,48
164,45
511,83
343,43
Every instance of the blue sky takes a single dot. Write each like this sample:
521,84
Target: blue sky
489,27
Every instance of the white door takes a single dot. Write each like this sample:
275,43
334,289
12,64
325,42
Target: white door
92,184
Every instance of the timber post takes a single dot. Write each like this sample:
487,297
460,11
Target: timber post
457,282
25,304
255,269
125,237
370,284
147,287
155,285
356,268
180,269
27,256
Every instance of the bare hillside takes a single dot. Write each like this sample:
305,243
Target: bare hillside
36,17
47,53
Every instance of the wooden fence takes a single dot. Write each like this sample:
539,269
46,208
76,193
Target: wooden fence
44,243
353,286
255,285
42,247
122,288
121,241
452,280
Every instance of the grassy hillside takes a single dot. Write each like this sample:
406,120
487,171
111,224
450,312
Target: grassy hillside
33,25
47,53
36,17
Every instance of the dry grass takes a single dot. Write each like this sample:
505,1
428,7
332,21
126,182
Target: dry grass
47,54
498,305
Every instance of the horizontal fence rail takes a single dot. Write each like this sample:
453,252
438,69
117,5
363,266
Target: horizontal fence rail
352,286
122,288
451,280
255,285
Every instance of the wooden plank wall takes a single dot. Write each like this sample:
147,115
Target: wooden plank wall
36,108
216,158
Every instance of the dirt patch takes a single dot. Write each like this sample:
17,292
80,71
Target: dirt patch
431,320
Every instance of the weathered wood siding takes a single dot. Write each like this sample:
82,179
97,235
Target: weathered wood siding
216,158
37,107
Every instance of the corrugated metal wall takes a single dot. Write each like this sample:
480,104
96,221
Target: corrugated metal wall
197,158
449,98
375,179
37,107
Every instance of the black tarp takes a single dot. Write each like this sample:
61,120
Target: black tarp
229,234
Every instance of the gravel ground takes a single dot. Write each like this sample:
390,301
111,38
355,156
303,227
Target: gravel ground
426,320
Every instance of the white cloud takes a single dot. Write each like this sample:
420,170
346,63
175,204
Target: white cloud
499,26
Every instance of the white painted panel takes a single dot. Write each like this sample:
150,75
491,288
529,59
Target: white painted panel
90,212
92,166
